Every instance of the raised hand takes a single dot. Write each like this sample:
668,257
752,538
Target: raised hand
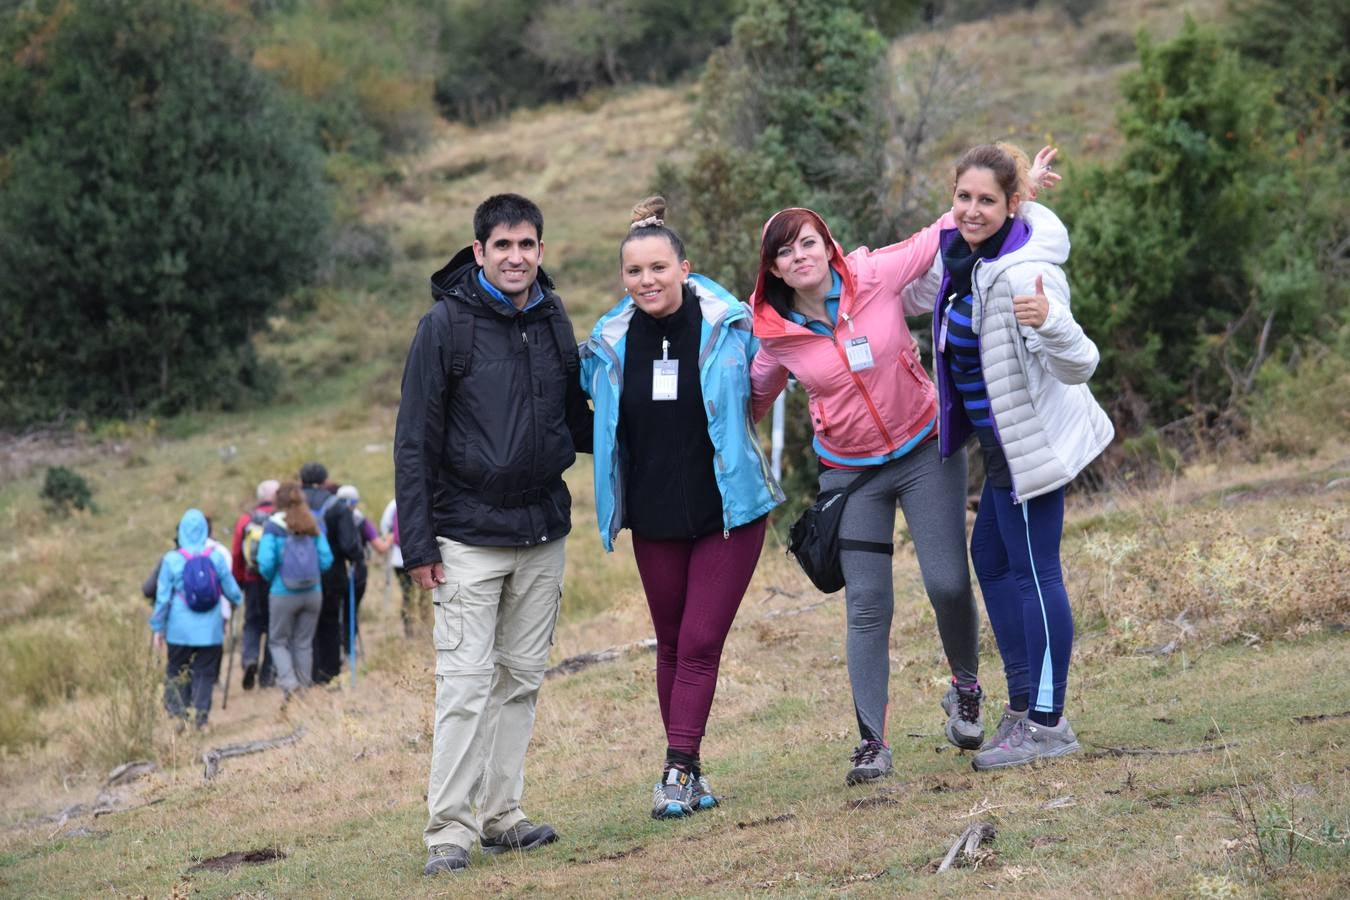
1040,176
1031,309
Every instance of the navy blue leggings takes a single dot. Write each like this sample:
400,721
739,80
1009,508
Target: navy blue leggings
1015,550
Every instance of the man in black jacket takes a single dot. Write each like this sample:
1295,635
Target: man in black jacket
340,528
492,414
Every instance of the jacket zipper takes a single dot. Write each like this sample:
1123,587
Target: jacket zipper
979,348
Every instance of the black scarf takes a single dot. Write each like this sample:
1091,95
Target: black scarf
959,259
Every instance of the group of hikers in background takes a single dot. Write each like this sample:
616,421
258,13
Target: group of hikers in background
297,561
497,399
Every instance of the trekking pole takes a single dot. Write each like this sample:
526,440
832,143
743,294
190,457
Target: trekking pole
351,625
229,668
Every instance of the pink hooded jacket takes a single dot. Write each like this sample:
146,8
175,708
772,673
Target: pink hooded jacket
869,413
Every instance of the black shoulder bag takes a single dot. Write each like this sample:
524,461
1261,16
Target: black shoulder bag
814,539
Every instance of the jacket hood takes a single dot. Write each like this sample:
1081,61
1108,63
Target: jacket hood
192,531
767,321
456,277
1047,241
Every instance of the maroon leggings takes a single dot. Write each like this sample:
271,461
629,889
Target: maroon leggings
693,590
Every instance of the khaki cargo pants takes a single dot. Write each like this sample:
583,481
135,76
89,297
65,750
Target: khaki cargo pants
494,622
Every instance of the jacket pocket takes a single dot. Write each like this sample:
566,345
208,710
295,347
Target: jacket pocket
819,422
448,628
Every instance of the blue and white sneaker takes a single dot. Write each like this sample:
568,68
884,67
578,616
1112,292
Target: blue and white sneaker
701,795
672,795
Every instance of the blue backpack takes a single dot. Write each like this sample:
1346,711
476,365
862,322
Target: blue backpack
201,587
300,563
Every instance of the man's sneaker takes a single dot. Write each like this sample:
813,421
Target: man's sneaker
250,673
701,795
1006,722
446,858
871,760
524,835
1027,742
672,795
964,728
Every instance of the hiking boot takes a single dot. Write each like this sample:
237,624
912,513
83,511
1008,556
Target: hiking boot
250,673
871,760
1027,742
672,795
1006,722
524,835
446,858
965,728
701,795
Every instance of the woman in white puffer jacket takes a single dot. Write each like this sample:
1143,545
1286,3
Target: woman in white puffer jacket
1011,366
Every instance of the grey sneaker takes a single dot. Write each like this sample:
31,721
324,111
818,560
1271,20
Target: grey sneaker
701,795
524,835
871,760
965,727
1006,722
446,858
672,795
1027,742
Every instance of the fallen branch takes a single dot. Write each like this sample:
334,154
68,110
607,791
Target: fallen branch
1147,751
1324,717
968,843
574,664
211,759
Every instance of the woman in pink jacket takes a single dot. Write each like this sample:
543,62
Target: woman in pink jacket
835,321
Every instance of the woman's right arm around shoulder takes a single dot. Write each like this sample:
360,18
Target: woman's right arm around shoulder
768,377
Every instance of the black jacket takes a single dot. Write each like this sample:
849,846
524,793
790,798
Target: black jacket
479,457
338,524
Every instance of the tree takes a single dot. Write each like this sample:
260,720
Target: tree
157,198
1170,243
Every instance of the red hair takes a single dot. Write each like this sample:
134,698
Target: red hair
780,231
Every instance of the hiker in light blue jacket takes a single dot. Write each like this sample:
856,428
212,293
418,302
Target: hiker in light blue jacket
678,462
194,637
296,596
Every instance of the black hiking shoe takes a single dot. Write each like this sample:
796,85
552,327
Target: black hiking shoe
250,673
524,835
446,858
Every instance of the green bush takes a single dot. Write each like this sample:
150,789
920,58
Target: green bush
157,197
64,490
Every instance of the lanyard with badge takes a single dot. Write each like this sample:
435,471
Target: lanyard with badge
858,349
665,374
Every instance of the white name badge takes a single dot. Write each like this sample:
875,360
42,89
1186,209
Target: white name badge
665,378
859,354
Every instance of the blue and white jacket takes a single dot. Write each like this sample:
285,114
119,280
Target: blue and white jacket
172,616
747,487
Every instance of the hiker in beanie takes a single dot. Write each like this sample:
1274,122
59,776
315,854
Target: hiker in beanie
188,617
248,532
335,521
369,538
492,414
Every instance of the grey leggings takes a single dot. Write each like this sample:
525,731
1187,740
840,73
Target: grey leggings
293,619
932,494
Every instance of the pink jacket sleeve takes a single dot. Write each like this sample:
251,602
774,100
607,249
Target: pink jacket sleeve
888,270
768,377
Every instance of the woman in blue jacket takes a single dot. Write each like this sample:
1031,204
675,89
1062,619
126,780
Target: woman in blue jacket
678,462
292,554
188,617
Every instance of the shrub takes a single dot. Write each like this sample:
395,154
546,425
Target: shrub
64,490
157,197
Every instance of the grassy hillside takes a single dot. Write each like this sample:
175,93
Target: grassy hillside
1210,611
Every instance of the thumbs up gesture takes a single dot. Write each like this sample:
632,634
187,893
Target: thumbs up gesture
1031,309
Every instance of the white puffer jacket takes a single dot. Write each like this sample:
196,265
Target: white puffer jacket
1047,421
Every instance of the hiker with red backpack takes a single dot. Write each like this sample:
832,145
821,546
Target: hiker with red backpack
292,557
248,533
188,616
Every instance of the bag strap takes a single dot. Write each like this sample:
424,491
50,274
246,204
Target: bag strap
461,336
863,546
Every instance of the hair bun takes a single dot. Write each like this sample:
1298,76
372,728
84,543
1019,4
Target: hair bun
651,211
